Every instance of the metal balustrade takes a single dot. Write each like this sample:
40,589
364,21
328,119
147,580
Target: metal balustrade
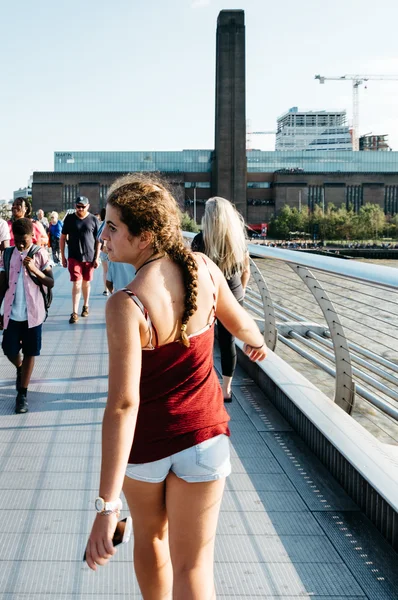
355,316
339,316
339,310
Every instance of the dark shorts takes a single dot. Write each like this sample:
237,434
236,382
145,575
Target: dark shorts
80,270
18,335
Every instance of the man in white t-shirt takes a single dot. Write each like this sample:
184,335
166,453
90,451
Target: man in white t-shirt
4,235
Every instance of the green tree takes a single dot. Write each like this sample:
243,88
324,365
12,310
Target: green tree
370,221
344,224
287,221
188,224
391,227
278,229
332,223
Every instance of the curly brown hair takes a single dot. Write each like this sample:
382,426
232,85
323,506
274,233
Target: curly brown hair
28,205
146,204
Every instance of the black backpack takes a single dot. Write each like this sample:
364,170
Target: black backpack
45,292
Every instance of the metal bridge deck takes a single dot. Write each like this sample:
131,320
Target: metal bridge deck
287,530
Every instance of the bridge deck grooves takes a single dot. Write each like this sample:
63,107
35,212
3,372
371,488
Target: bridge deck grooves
287,530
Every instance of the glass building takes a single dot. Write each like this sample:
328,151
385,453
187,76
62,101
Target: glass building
185,161
322,161
272,179
199,161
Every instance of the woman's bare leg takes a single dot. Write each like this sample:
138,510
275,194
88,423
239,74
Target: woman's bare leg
192,511
151,544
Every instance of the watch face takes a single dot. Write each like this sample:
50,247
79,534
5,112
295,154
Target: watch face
99,504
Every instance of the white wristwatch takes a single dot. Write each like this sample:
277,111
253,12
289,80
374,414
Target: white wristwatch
107,508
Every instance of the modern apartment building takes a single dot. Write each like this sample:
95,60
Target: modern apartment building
312,131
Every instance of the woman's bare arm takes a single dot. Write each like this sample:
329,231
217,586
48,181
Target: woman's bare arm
120,416
246,272
236,319
124,346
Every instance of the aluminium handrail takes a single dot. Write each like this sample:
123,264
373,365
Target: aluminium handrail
251,299
369,354
385,276
370,380
364,363
376,401
364,273
360,390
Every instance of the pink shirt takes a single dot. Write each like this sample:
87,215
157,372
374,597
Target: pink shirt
34,299
39,234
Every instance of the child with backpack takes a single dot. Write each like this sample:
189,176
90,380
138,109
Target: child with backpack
24,270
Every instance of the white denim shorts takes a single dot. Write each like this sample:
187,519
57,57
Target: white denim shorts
207,461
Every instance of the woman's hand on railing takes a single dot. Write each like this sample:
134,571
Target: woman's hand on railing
255,352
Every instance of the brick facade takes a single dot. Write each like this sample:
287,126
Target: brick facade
49,190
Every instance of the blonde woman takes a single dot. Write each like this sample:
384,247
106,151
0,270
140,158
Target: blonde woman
223,239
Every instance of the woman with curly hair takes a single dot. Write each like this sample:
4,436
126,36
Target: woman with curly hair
165,427
22,208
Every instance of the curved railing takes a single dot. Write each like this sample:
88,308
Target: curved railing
358,303
337,318
340,315
334,319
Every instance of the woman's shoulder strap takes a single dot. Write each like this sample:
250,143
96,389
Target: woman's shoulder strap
135,299
145,313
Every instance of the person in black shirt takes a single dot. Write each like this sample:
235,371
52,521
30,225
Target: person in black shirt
80,229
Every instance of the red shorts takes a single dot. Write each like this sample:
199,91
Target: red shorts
80,270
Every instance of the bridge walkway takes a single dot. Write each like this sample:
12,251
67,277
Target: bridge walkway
287,530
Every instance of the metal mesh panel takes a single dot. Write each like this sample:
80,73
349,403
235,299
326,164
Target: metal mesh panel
370,502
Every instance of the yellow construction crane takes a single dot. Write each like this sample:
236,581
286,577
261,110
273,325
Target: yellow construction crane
357,80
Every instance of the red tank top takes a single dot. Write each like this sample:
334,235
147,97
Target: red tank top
181,400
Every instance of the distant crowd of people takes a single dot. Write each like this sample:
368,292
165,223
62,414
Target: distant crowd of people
381,246
290,244
303,244
26,276
165,426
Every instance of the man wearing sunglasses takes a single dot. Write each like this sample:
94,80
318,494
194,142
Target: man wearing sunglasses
80,230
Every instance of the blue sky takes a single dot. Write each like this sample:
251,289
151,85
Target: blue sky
135,75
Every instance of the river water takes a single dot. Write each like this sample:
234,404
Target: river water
384,262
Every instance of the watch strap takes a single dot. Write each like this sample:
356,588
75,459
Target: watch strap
110,507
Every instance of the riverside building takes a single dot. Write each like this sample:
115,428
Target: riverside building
273,179
259,183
